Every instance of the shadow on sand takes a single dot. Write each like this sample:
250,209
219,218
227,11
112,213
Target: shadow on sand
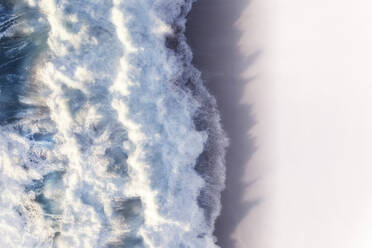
214,41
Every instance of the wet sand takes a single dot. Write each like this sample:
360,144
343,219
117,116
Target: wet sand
230,71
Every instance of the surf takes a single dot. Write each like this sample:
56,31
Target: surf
108,136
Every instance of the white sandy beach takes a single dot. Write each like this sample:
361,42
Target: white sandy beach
292,80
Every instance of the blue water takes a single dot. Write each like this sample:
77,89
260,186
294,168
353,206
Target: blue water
108,137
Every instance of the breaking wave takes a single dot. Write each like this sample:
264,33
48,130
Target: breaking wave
108,137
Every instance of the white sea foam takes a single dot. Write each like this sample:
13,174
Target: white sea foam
122,146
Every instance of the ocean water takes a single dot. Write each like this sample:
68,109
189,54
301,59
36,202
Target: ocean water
108,137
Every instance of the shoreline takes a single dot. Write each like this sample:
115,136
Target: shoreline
214,40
